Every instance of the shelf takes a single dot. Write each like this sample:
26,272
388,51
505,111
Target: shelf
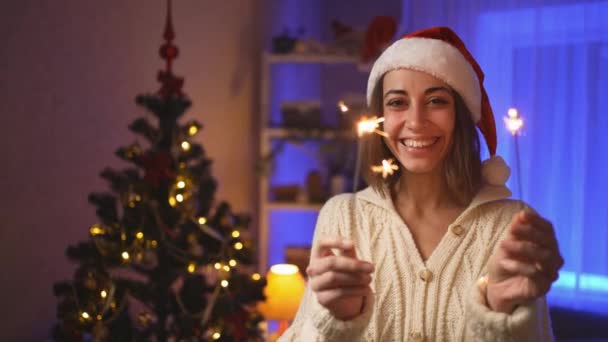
307,134
312,59
289,206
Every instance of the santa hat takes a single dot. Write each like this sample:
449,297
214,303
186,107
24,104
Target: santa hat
439,52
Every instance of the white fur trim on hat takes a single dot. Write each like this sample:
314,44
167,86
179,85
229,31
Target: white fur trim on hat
495,171
435,57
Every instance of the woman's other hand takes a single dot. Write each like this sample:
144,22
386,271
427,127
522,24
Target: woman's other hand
340,280
525,264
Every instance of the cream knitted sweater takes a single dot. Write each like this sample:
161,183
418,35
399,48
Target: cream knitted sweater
439,299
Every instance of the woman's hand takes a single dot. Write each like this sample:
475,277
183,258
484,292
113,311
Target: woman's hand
525,264
340,281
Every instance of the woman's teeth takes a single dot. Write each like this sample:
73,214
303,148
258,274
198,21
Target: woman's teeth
419,143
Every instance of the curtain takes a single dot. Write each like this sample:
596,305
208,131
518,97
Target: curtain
548,59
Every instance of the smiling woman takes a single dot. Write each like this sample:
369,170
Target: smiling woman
438,107
436,251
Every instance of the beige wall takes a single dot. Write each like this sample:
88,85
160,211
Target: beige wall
70,70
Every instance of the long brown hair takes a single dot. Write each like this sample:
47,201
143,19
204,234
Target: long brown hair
461,166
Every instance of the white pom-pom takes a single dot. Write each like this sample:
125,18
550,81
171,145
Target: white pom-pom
495,171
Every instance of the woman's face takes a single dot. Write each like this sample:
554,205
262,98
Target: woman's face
419,118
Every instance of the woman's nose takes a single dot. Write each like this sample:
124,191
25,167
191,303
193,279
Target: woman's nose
415,117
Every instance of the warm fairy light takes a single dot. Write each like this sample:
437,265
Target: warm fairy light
139,235
181,184
185,145
137,198
202,220
216,335
387,168
125,255
99,317
96,230
154,243
232,263
343,107
179,198
85,315
235,234
238,246
226,268
104,294
172,201
192,130
224,283
217,265
191,267
123,236
513,121
256,276
368,126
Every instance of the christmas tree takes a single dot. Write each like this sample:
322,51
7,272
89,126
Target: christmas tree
165,262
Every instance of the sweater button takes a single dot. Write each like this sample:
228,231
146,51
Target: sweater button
426,276
458,230
416,336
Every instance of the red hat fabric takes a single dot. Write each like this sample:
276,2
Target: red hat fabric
439,52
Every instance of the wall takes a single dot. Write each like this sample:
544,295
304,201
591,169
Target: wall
69,76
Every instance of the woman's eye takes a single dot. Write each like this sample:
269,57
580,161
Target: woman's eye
395,103
438,101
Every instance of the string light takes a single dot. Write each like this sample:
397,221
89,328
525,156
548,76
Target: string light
216,335
104,294
202,220
139,235
181,184
256,276
85,315
154,243
513,121
224,283
185,145
238,246
217,265
123,236
232,263
99,317
191,267
192,130
387,168
226,268
179,198
368,126
343,107
235,234
172,201
125,255
96,230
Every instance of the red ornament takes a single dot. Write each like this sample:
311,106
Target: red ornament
171,85
238,321
378,37
158,167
